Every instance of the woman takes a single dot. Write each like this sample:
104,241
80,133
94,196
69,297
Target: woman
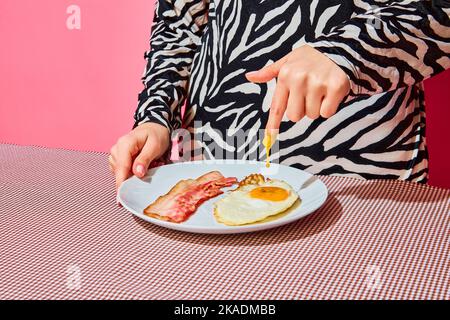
341,80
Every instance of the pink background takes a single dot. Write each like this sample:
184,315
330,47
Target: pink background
77,89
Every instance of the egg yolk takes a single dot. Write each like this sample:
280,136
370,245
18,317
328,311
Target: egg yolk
269,193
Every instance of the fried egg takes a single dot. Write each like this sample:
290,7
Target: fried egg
254,202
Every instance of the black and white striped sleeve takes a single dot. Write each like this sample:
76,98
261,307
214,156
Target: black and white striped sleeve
395,44
175,34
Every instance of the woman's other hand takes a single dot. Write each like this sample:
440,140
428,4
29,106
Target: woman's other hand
308,84
133,152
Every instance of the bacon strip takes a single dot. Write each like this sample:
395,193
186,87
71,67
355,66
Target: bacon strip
187,195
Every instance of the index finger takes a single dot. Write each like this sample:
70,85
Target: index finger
277,109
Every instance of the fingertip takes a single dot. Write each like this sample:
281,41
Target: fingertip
252,76
323,113
259,76
326,110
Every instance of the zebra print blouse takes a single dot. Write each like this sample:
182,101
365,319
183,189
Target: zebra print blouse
201,49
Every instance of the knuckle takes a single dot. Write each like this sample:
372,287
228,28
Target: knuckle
299,76
294,117
325,112
276,110
337,87
315,78
318,84
334,87
284,73
312,114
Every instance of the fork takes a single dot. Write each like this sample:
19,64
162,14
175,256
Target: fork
307,183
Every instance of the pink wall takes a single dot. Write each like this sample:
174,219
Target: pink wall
77,89
71,88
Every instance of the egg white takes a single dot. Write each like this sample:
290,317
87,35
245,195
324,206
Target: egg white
238,207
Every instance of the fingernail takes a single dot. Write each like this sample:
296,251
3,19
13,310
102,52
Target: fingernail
140,169
251,73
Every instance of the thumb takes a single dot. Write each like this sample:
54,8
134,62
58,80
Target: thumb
267,73
145,157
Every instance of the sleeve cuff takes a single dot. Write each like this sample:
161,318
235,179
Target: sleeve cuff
166,157
151,117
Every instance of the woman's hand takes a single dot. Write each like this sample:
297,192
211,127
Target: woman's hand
133,152
308,84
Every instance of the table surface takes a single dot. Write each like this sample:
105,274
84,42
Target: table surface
63,236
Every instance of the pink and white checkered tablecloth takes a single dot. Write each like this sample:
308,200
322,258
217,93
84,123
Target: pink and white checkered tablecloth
63,236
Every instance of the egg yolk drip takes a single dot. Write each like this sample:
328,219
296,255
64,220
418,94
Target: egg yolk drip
267,142
269,193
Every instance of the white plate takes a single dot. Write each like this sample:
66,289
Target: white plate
135,194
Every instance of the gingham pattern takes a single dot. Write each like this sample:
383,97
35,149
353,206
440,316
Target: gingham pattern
371,240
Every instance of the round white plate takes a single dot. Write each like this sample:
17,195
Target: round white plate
135,194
